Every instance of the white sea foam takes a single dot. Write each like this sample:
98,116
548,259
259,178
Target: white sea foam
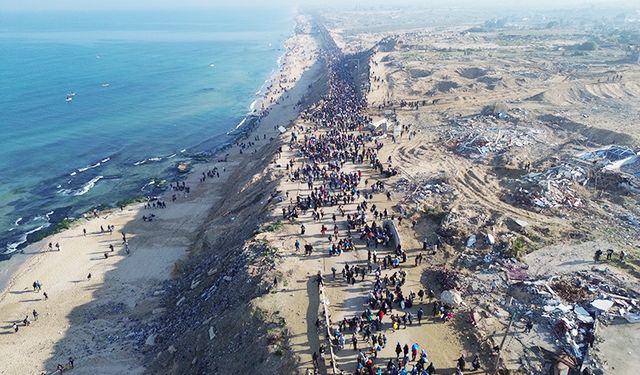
96,165
17,222
253,105
12,247
241,122
88,186
140,162
152,182
84,189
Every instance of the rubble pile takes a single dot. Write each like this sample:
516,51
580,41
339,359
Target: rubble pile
569,291
478,136
447,279
552,188
567,308
615,161
420,188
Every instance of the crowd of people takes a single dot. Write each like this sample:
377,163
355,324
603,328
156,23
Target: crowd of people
330,183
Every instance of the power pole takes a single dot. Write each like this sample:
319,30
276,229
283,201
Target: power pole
504,338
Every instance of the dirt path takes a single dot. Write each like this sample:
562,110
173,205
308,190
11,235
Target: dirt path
299,304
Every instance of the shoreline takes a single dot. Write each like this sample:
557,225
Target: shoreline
174,229
246,125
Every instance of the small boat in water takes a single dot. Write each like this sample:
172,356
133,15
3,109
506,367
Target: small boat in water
105,85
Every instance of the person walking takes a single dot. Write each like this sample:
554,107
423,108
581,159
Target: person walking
475,362
431,369
462,362
528,327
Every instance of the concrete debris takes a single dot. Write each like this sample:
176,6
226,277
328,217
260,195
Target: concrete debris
491,239
471,241
479,136
521,223
419,189
151,340
552,188
447,279
602,304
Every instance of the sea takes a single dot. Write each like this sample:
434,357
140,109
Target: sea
97,107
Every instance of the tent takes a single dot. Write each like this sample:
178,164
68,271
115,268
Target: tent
451,298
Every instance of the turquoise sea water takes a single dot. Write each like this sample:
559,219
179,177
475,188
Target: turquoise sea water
147,90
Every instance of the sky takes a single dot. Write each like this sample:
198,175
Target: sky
83,5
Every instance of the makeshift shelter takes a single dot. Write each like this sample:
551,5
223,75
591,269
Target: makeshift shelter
380,125
451,298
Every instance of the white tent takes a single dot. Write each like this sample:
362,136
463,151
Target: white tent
380,125
451,297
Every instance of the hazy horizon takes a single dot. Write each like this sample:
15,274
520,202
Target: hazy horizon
80,5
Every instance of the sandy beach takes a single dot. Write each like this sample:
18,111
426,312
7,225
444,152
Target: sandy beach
74,321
